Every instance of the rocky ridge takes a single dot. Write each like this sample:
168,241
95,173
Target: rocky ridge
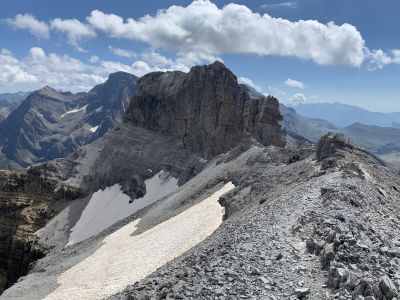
321,226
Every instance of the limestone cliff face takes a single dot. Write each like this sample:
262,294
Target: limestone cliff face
206,108
27,202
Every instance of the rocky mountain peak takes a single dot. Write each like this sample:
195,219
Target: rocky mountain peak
216,71
206,108
47,89
120,75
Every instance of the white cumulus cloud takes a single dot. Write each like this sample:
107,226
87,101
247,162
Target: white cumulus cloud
11,71
28,22
202,27
294,83
122,52
298,98
377,59
288,4
250,83
74,29
64,72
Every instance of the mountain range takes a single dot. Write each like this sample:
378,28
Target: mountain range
49,124
382,141
342,115
197,195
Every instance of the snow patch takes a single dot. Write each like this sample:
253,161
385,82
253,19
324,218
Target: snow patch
99,109
108,206
72,111
94,129
124,258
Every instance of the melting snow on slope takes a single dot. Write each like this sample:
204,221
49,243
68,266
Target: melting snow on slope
72,111
108,206
124,259
94,129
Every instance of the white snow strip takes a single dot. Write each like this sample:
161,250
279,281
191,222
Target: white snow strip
94,129
124,259
72,111
108,206
99,109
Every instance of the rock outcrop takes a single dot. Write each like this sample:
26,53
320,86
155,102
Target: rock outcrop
206,108
27,202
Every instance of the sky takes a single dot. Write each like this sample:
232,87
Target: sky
300,51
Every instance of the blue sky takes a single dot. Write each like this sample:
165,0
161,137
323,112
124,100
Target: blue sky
74,45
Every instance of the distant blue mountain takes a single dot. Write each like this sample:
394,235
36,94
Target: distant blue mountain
14,97
342,115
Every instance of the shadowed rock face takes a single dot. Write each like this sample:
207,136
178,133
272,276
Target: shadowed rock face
27,202
206,108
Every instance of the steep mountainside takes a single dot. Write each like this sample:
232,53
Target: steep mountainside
27,202
51,124
344,115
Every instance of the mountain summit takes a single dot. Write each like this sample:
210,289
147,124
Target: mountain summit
206,108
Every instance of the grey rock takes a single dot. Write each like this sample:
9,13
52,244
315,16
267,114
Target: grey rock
327,255
387,287
205,108
301,292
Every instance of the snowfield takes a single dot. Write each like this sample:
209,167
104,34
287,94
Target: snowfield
108,206
72,111
94,129
124,258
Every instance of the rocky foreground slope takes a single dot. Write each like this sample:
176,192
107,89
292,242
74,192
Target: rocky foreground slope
321,226
312,223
